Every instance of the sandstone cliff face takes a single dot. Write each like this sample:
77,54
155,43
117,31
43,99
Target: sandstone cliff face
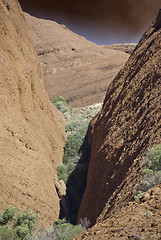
128,124
31,129
74,68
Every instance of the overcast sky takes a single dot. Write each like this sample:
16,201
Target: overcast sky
100,21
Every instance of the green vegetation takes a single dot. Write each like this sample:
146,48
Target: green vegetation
66,230
60,103
76,128
15,224
154,156
72,147
148,214
139,194
62,173
76,153
8,234
61,230
151,171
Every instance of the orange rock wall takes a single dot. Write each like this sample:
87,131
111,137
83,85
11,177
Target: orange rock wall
129,123
31,129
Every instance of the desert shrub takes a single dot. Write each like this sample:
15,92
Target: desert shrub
72,147
148,214
139,194
70,158
66,230
60,103
19,224
22,231
62,172
151,174
147,171
76,127
8,215
8,234
61,230
65,170
154,156
76,156
25,223
77,124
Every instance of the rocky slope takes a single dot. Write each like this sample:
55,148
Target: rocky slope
120,135
74,68
32,131
138,220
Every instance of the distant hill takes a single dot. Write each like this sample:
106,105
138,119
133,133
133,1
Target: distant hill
74,68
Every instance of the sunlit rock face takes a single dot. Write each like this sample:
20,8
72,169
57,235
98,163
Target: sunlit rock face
129,123
32,131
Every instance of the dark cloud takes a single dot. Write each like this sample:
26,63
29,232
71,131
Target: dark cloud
131,16
135,13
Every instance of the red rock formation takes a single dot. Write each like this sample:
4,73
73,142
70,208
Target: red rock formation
31,129
128,124
74,68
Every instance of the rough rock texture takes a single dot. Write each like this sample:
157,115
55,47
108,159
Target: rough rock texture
128,124
60,187
138,220
74,68
31,129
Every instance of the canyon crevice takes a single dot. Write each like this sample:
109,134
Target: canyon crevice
128,124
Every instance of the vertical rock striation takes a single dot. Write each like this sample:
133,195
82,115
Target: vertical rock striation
31,130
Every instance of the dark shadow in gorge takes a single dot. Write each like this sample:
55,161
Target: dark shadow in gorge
76,184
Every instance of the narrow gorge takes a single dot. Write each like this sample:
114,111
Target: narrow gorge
96,140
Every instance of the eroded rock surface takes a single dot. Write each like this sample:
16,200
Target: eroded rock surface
138,220
128,124
74,68
31,129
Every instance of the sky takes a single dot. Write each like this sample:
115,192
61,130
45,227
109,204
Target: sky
100,21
